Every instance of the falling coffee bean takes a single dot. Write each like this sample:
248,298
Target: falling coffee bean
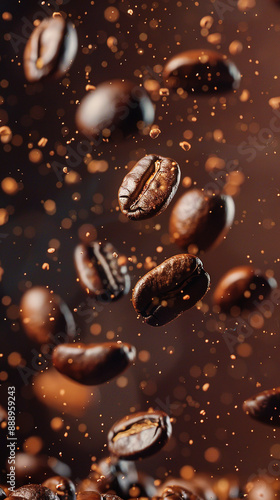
45,316
265,407
176,492
93,364
115,106
149,187
50,50
33,492
242,287
169,289
64,488
102,271
139,435
201,219
201,71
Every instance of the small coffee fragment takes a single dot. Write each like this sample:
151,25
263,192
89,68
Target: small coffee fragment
264,407
139,435
102,271
93,364
201,219
50,50
63,487
171,288
149,187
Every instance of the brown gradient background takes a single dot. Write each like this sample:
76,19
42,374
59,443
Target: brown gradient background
194,338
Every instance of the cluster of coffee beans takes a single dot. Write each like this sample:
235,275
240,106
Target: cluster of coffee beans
199,220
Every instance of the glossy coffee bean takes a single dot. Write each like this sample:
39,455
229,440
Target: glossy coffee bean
201,219
93,364
117,106
169,289
36,469
201,71
50,50
264,407
102,271
149,187
176,492
94,495
242,287
45,316
64,488
33,492
139,435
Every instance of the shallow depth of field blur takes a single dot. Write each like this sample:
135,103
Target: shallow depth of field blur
189,368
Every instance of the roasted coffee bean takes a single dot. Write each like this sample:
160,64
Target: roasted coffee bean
242,287
139,435
201,219
149,187
93,364
102,271
117,106
37,468
33,492
94,495
50,50
169,289
176,492
64,488
45,317
110,475
201,71
265,407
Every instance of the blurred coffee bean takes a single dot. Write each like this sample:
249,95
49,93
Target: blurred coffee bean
176,492
102,271
204,485
94,495
45,317
149,187
261,488
64,488
114,106
139,435
2,494
242,287
201,71
93,364
265,407
169,289
201,219
33,492
50,50
38,468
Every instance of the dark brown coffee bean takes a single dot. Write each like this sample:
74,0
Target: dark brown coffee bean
115,105
50,50
201,71
94,495
176,492
169,289
139,435
102,271
38,468
201,219
64,488
45,316
265,407
93,364
33,492
149,187
242,287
